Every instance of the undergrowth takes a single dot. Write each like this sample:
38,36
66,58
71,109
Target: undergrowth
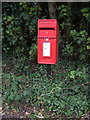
65,94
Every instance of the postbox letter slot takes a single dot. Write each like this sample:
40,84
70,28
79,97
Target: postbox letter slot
46,29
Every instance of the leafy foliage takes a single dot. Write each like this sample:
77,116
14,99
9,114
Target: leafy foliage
74,36
65,94
20,30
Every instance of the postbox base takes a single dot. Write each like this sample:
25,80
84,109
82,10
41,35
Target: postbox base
45,63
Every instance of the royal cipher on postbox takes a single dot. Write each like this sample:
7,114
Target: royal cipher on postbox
48,35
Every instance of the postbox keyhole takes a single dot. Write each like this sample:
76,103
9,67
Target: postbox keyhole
46,39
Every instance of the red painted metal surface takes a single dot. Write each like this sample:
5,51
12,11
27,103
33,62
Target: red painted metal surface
48,32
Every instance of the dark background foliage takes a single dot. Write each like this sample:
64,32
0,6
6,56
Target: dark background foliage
65,94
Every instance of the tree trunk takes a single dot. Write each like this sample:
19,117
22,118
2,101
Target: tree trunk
52,10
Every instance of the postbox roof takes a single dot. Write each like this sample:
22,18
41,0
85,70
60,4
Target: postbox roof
47,20
50,23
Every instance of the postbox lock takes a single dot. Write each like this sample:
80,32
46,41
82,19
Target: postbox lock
46,39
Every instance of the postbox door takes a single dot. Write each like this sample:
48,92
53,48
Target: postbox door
47,50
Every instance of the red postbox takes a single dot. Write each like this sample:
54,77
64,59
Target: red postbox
48,32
